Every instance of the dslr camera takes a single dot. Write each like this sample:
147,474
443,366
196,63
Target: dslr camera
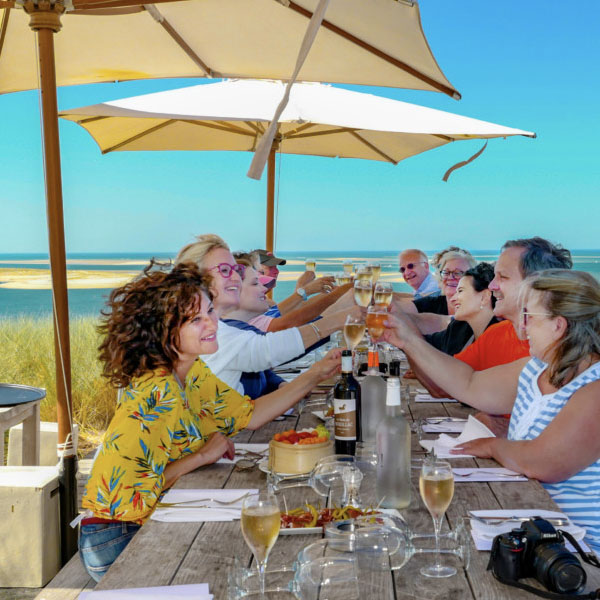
537,550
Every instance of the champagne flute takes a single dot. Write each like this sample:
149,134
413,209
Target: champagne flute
376,315
383,293
363,290
354,329
311,264
260,527
436,485
376,268
365,273
348,266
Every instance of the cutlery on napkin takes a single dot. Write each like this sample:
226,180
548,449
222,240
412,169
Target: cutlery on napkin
446,426
194,591
487,474
473,430
484,533
246,451
430,398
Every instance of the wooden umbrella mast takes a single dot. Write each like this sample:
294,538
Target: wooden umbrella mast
45,20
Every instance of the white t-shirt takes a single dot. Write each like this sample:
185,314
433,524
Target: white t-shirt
245,351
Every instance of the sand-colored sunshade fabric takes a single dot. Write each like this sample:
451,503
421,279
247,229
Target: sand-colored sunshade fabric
319,119
226,38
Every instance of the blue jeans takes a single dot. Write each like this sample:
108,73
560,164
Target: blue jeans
100,544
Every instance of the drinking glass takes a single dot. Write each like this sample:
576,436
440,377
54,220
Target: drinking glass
311,264
436,485
344,279
383,293
260,527
348,266
363,290
364,273
376,315
354,329
376,268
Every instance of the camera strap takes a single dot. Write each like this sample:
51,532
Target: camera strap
590,558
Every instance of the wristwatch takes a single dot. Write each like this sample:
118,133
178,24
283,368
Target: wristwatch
302,293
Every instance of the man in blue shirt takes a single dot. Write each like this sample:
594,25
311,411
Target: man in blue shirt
414,267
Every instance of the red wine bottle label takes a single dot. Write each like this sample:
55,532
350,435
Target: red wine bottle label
345,419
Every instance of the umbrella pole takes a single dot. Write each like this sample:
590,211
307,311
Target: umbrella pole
45,19
270,198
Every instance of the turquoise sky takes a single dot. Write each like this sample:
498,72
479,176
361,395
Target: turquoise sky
531,65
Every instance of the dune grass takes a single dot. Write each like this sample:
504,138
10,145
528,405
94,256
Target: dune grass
27,357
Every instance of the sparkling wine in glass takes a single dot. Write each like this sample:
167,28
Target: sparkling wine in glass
311,264
354,329
348,266
363,290
436,485
344,278
383,293
376,269
364,273
260,528
376,315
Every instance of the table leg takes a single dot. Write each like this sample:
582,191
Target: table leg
31,437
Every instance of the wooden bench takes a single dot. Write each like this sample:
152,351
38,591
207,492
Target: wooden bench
68,583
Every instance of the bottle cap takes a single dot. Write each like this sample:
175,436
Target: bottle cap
346,352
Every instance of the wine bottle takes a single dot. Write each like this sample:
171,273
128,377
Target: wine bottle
347,409
393,452
373,393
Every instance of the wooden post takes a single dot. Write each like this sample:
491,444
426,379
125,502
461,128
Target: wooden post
45,19
270,199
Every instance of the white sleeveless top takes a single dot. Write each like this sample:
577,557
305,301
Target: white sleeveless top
579,496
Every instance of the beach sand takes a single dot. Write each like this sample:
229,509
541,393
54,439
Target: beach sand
39,279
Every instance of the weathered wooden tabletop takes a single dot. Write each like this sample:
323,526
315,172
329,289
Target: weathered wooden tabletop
180,553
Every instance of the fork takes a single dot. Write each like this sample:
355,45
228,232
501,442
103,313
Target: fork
220,502
515,519
487,472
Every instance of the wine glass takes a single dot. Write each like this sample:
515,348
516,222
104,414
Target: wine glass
311,264
354,329
348,266
436,485
364,273
363,290
376,315
376,269
260,527
383,293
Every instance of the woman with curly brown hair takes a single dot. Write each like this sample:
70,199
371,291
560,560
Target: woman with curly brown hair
174,414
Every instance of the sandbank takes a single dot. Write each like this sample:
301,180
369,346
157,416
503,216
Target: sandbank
39,279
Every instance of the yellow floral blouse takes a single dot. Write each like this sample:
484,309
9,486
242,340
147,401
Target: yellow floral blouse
155,423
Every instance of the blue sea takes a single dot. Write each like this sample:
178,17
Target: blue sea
38,303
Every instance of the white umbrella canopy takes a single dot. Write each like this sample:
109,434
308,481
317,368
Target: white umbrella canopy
378,42
318,120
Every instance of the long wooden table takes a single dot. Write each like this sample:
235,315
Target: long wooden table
180,553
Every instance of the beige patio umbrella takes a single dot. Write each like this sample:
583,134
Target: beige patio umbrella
377,42
319,120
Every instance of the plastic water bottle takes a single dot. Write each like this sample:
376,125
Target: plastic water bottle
393,452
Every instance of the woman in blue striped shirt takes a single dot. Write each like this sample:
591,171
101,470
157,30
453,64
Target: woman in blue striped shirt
553,397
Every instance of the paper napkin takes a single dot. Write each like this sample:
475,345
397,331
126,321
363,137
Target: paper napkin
444,427
430,398
195,591
473,430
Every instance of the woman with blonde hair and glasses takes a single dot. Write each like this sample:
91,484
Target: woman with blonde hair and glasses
246,351
553,397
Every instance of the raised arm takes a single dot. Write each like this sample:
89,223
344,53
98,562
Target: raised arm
308,310
267,407
493,390
569,443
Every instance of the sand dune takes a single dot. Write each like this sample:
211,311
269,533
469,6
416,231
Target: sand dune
39,279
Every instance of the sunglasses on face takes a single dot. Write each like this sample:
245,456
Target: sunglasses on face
410,266
451,274
525,316
225,270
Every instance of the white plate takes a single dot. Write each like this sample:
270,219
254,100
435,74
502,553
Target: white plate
263,465
300,530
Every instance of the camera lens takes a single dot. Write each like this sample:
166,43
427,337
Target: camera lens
558,569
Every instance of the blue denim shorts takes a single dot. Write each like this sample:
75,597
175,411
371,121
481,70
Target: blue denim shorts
101,543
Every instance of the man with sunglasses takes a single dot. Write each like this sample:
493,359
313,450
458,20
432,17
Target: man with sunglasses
414,267
501,343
